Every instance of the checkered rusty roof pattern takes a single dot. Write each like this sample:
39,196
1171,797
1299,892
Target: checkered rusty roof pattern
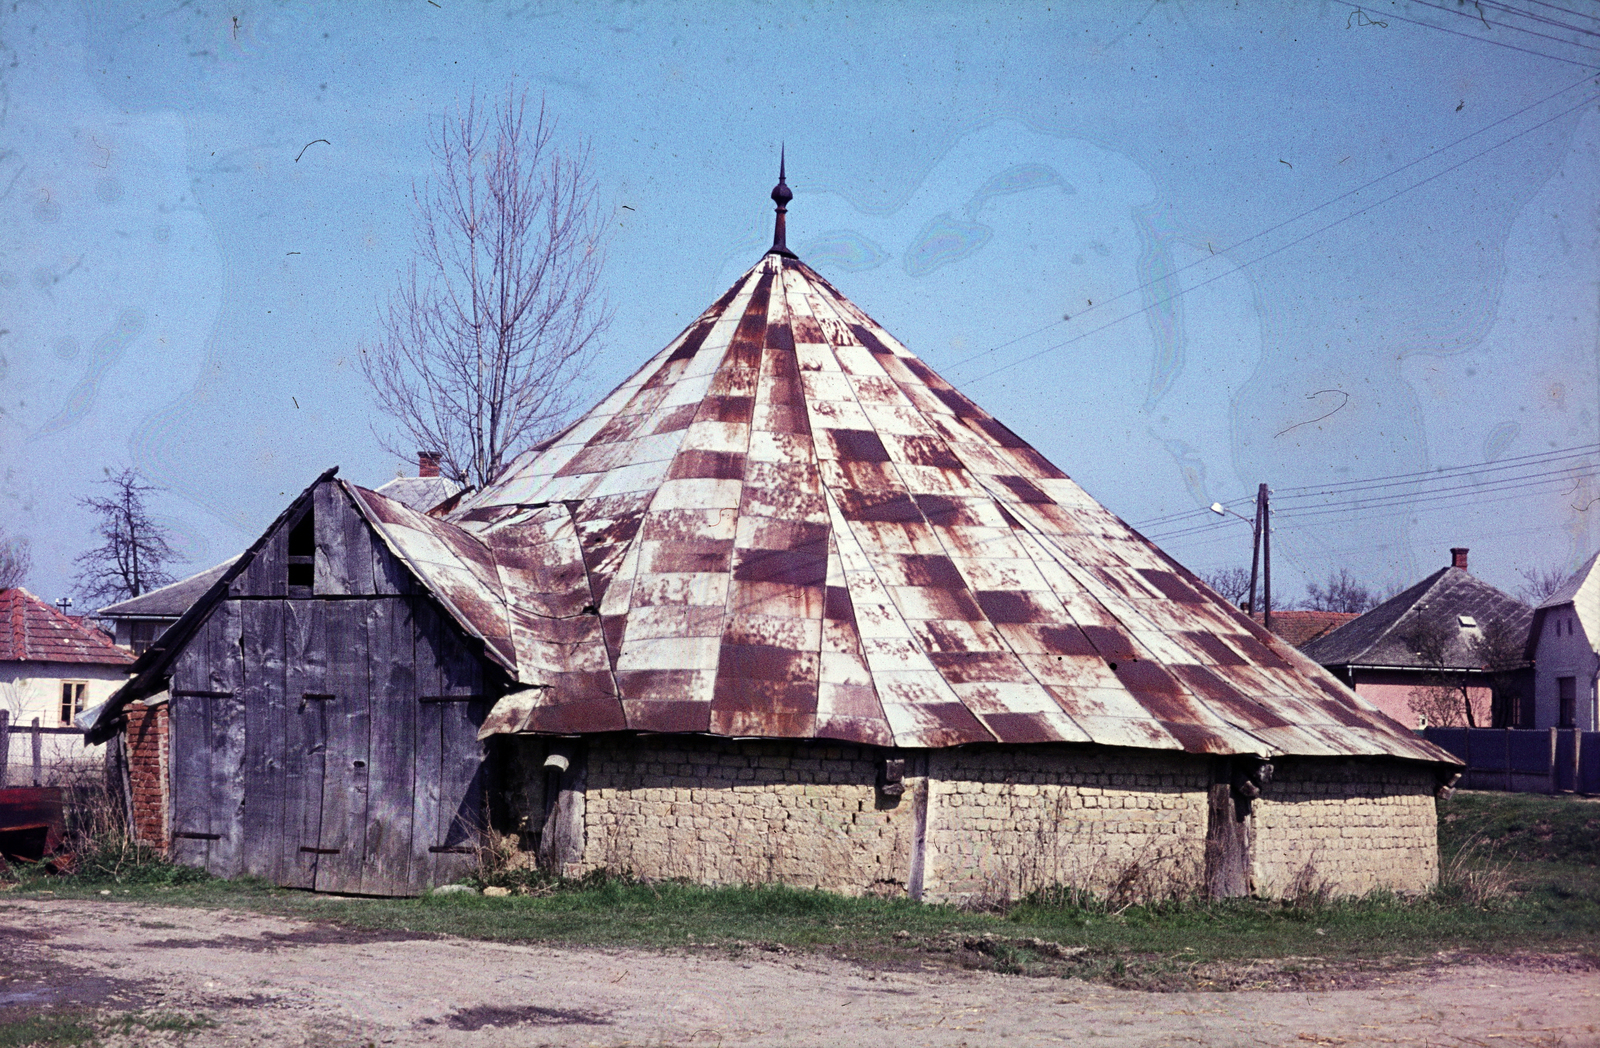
33,631
786,525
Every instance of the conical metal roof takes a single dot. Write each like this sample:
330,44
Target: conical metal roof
786,525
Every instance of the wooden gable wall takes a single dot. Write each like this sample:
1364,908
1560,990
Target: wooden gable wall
327,738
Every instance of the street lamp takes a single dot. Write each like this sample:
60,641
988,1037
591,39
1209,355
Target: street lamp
1260,551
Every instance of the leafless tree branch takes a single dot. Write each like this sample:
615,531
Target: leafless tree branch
134,553
16,560
501,305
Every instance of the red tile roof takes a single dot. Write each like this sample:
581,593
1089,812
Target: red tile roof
1302,627
33,631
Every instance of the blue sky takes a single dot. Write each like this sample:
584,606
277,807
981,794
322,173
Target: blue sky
1182,248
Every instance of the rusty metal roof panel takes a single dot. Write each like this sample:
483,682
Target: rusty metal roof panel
792,527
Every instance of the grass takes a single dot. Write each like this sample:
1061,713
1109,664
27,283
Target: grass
83,1027
1522,877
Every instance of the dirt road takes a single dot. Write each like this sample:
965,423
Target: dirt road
270,980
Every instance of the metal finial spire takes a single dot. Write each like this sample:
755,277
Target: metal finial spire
781,195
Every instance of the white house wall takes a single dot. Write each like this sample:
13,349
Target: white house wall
33,689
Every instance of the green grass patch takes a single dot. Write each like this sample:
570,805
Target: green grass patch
48,1030
1520,877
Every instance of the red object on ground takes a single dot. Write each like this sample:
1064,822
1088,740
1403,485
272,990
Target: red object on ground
31,822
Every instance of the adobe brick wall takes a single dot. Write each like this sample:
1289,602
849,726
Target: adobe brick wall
996,823
1350,825
1002,823
147,772
724,812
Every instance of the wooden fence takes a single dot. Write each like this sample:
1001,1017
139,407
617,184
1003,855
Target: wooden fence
36,735
1554,760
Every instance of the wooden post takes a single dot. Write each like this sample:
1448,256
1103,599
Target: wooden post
5,745
38,765
1508,759
1227,854
1555,780
1578,760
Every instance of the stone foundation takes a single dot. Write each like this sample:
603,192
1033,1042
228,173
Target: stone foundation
1346,826
972,825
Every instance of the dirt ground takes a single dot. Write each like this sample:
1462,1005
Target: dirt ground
270,980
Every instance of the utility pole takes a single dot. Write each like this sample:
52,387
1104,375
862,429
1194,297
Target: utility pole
1255,556
1264,508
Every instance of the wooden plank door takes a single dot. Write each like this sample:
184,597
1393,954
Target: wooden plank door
306,702
391,666
265,742
206,733
447,802
343,841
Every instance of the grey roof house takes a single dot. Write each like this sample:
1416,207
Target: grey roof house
1449,642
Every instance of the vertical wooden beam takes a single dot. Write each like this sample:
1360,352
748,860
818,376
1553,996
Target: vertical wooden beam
329,558
38,762
5,746
189,754
920,799
391,666
1555,779
308,704
228,731
353,736
266,751
1227,836
428,754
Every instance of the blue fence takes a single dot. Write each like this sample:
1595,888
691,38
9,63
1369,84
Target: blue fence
1524,761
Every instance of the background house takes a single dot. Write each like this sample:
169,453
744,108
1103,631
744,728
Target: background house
52,667
1449,640
1564,644
1302,627
135,623
425,490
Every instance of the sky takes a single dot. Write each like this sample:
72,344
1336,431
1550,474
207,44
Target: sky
1183,248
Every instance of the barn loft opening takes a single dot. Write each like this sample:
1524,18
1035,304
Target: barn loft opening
302,555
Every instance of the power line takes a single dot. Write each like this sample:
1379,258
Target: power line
1273,229
1479,39
1557,453
1541,19
1461,492
1279,250
1502,25
1369,503
1565,10
1437,477
1286,495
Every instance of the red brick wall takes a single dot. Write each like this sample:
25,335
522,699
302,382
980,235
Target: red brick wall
147,772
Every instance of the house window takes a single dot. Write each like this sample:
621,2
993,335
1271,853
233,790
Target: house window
302,555
143,634
1567,693
71,699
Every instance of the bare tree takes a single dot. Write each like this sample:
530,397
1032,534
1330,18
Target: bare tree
16,560
1231,584
135,551
1501,649
1444,693
501,304
1341,593
1539,583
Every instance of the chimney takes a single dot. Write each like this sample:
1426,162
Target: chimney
428,466
1458,557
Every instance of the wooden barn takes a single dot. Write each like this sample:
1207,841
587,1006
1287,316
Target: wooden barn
784,606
